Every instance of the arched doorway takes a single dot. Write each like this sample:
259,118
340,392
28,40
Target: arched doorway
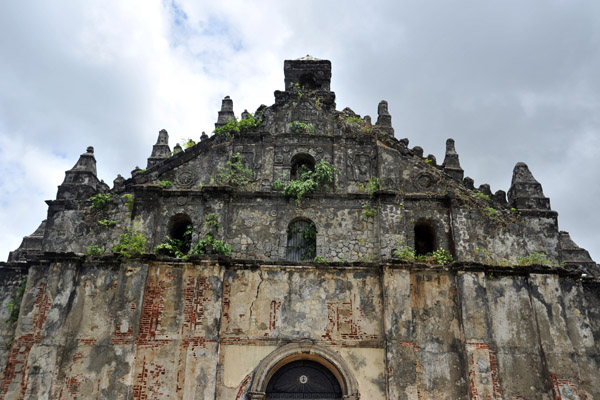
303,379
303,371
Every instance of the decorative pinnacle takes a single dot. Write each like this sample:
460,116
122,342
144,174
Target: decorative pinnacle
451,163
525,191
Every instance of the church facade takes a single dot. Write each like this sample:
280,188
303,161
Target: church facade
299,252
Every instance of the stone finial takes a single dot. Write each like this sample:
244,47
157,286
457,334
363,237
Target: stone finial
469,183
432,159
525,191
86,162
500,197
177,149
404,141
160,150
203,137
384,119
81,180
451,164
418,151
163,137
485,189
119,183
245,114
226,114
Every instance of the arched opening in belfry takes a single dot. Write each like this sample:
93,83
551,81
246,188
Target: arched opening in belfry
180,228
301,164
308,82
303,379
301,240
425,238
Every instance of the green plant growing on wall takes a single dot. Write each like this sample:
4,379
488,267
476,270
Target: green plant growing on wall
107,223
300,127
405,253
178,248
308,181
165,184
100,201
278,185
534,259
369,210
248,124
14,306
232,126
439,256
187,143
483,196
235,174
372,185
489,211
298,90
320,260
228,130
210,244
356,120
94,250
131,243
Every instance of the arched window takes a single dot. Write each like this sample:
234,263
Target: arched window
301,163
303,379
425,240
180,228
301,240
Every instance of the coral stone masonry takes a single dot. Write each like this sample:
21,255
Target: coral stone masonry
299,252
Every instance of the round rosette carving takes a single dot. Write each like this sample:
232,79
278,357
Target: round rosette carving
185,179
424,181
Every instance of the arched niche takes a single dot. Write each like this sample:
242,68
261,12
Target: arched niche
307,81
425,237
303,351
179,229
301,162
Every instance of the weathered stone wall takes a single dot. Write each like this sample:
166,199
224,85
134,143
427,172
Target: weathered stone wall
11,279
155,329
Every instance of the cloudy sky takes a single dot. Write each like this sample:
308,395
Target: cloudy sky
509,80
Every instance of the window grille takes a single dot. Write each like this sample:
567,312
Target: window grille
301,241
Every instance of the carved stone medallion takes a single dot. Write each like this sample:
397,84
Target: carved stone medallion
424,181
185,179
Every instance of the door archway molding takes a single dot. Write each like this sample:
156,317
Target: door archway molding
304,350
